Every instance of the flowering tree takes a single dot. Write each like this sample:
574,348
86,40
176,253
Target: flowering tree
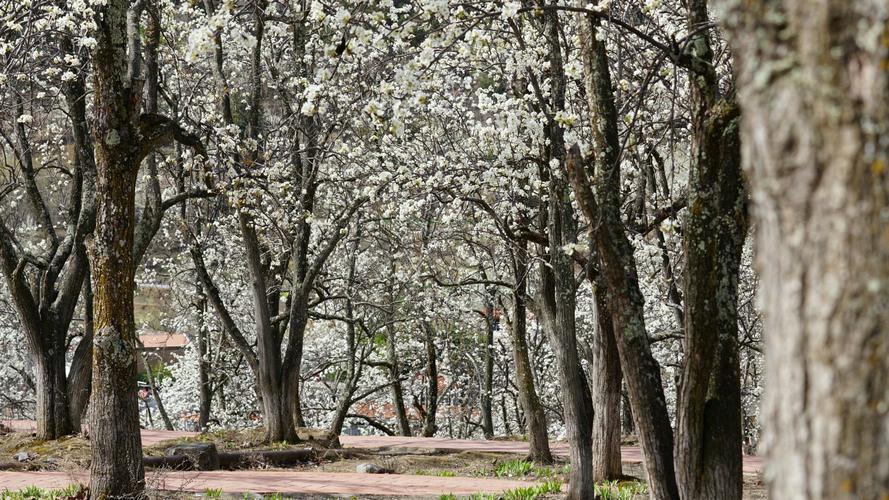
433,217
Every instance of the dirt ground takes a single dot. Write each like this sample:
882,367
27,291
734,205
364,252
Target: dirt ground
67,453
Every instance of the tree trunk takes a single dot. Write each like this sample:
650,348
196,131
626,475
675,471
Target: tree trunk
205,389
271,374
277,415
79,382
429,424
557,287
116,466
557,308
708,429
355,367
404,425
605,387
538,438
80,376
124,138
395,387
618,268
708,414
815,96
53,418
487,406
299,318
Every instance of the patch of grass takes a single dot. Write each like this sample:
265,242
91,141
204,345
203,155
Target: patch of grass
513,468
533,492
524,468
439,473
620,490
72,492
526,493
213,493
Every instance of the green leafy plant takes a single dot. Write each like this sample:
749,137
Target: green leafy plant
532,492
513,468
213,493
73,491
619,490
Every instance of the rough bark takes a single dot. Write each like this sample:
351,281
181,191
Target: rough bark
814,91
52,394
116,465
124,138
535,418
80,375
557,288
404,425
487,405
429,424
204,366
394,368
605,385
600,203
708,415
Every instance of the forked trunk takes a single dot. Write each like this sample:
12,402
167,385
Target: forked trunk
277,415
404,425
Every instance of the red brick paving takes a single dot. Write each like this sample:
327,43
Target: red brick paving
149,436
252,481
326,482
631,454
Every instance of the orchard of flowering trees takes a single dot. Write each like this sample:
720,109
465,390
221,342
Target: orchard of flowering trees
580,221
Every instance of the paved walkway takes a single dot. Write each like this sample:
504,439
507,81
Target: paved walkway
149,436
294,482
631,454
253,481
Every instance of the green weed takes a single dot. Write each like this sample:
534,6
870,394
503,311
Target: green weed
513,468
73,491
620,490
532,492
